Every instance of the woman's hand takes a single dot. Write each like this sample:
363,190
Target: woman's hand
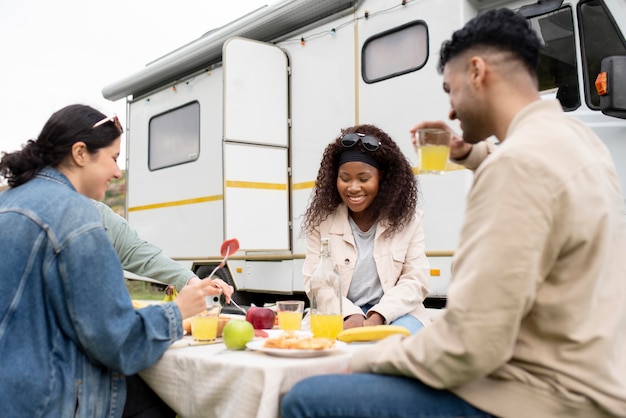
220,284
459,149
353,321
191,298
374,319
224,287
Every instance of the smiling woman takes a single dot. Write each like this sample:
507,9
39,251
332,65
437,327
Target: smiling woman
377,247
65,280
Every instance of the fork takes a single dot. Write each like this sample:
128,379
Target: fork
237,306
219,266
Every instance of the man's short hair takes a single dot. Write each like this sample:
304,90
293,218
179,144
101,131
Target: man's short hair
499,29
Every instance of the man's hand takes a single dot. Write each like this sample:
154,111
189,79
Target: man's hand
459,149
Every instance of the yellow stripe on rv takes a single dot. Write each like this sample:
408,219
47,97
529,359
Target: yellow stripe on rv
255,185
229,183
177,203
304,185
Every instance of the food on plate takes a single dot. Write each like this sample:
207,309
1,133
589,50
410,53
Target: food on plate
292,340
237,333
261,318
260,333
371,333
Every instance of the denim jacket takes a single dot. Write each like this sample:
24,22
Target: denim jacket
68,331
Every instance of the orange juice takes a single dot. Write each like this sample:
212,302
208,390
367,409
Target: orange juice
433,158
291,321
326,326
204,328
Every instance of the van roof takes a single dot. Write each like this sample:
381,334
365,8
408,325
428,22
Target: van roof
267,23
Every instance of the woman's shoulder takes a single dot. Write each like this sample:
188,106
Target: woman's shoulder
56,202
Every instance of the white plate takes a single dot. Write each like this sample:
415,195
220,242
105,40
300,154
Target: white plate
257,345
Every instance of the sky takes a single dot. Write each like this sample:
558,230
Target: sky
61,52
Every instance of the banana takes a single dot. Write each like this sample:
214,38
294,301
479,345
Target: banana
170,294
371,333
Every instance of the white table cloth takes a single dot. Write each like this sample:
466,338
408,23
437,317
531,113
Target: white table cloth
212,381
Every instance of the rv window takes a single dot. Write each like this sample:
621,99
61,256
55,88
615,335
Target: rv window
395,52
600,38
557,63
174,137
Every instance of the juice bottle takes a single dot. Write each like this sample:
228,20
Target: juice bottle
327,326
325,296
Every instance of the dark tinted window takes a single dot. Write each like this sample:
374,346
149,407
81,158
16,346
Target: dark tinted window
600,38
557,65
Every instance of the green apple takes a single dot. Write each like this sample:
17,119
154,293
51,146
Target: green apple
237,333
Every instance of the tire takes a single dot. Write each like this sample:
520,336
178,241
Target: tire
241,298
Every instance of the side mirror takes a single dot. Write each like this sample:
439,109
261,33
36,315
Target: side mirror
611,86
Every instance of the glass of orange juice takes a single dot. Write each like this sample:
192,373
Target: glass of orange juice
204,325
433,151
290,314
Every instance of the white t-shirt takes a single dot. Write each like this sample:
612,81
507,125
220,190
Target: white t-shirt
365,287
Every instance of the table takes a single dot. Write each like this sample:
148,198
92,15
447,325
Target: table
212,381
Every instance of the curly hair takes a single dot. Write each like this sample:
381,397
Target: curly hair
396,200
500,29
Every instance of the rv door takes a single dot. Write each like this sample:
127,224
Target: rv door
256,145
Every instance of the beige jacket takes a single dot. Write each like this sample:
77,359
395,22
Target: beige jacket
536,318
400,260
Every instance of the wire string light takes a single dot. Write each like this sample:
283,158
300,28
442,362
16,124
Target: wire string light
366,15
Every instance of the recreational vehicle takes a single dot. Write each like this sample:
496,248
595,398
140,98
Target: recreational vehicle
225,134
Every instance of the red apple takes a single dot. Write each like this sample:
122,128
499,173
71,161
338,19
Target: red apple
260,318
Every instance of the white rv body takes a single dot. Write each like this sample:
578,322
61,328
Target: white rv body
266,111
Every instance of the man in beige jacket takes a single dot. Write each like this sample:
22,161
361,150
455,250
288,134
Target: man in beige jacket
536,319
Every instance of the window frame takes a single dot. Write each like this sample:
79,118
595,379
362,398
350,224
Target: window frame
368,41
169,111
587,81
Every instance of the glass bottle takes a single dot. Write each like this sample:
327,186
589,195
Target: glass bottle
325,296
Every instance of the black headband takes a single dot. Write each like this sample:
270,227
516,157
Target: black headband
355,154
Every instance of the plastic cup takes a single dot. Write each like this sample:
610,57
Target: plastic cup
290,314
204,325
433,150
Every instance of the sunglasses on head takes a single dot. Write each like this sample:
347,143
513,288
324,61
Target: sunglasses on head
369,142
113,119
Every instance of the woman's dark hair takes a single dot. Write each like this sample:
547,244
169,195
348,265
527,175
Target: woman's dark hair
65,127
397,189
500,29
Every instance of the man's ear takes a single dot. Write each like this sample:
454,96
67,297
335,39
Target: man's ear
477,70
79,153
